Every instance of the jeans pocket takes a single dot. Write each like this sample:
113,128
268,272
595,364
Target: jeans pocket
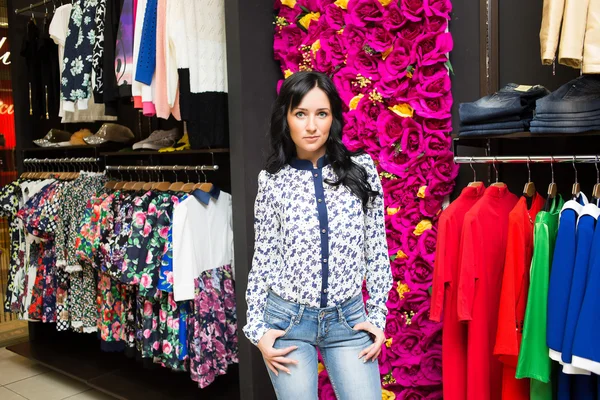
279,319
353,318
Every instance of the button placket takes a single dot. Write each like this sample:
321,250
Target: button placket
324,229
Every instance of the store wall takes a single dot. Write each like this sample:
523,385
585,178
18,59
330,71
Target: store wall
253,76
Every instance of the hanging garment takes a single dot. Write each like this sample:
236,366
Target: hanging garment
513,297
585,233
480,280
534,362
30,51
586,352
562,275
58,32
445,291
146,64
79,45
10,196
137,39
50,73
161,100
98,52
124,59
111,31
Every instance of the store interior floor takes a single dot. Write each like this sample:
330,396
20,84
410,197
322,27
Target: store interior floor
21,378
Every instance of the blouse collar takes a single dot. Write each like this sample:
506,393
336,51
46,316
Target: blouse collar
307,164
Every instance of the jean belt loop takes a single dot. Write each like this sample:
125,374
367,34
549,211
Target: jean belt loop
340,313
300,312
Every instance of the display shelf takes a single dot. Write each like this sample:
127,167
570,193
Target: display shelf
157,153
528,135
121,377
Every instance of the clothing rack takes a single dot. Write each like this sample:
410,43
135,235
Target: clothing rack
32,6
527,159
162,168
60,160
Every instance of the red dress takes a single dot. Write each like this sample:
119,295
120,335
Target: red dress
483,249
513,297
443,297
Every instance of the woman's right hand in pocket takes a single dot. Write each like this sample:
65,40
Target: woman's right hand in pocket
275,358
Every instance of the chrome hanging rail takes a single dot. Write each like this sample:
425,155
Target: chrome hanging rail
162,168
76,160
526,159
32,6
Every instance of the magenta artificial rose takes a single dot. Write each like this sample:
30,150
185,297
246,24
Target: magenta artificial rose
379,38
324,4
292,60
393,325
334,16
436,24
407,371
444,168
393,18
326,391
406,342
412,138
310,5
395,64
440,8
322,63
430,205
394,302
429,72
441,188
436,143
365,64
437,395
433,336
351,139
354,37
436,87
419,273
393,86
427,244
288,40
398,268
438,107
384,360
431,48
390,128
393,161
412,9
437,125
361,12
410,31
344,82
334,45
290,14
368,111
431,366
412,394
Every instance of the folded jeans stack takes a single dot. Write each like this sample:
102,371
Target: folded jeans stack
572,108
507,111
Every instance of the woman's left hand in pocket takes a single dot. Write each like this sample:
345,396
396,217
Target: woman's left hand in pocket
372,352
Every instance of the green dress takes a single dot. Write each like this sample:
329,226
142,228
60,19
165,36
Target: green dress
534,360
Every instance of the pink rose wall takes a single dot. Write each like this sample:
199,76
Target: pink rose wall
388,60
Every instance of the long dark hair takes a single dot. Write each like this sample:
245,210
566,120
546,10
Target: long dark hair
283,149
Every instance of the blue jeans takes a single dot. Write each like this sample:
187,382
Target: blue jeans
330,330
506,103
582,94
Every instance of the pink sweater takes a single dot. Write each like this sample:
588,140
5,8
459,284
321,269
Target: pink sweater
163,110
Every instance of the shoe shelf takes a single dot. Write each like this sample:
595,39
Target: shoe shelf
134,153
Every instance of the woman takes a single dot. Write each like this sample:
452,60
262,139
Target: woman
319,232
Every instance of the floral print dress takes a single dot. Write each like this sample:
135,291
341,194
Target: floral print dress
10,197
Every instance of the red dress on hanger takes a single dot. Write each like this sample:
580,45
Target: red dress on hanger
483,249
513,298
445,290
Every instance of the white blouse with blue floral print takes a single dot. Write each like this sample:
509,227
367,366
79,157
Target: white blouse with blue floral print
314,245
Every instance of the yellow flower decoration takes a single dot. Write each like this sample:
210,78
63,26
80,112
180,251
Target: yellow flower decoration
385,3
422,227
387,395
305,21
340,31
401,289
287,73
421,193
354,102
403,110
392,211
316,46
401,254
388,342
320,368
342,4
289,3
387,52
409,74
